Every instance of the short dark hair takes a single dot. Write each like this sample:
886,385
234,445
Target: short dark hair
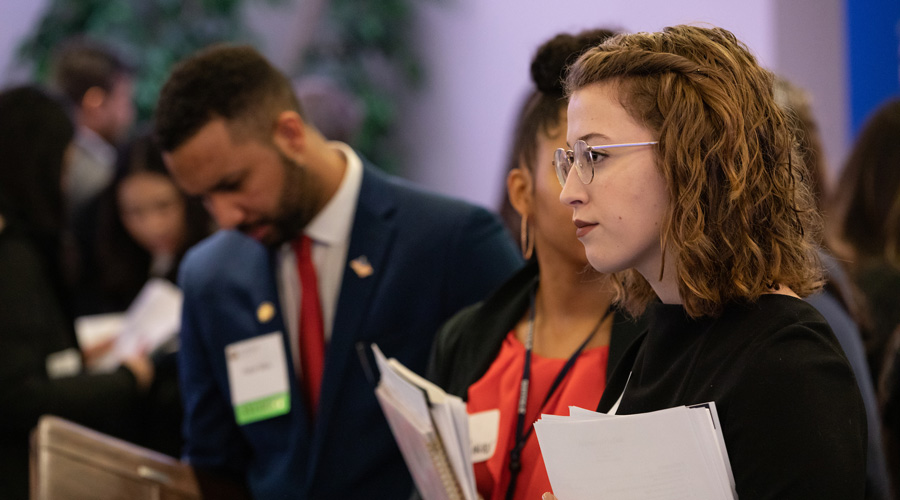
235,83
82,63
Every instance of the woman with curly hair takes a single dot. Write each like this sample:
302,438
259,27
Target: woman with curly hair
685,190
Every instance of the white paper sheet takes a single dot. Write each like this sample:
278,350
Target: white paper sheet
152,319
668,454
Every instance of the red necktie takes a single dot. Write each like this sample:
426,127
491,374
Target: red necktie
312,332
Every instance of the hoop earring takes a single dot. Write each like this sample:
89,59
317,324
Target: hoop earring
526,242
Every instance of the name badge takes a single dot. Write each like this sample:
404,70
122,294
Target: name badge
258,378
65,363
483,429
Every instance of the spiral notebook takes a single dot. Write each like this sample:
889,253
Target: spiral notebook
431,428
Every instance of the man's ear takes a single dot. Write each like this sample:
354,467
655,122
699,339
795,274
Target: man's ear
93,98
290,133
520,186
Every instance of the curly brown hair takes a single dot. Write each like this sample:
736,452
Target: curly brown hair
742,219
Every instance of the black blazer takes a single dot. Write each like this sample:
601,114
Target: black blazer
470,341
34,326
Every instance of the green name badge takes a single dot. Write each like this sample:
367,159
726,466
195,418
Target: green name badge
262,409
258,378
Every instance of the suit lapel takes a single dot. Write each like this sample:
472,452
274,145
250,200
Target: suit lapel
370,242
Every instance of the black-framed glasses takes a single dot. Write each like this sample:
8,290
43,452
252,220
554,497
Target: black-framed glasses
585,158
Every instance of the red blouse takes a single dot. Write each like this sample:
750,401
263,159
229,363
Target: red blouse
499,389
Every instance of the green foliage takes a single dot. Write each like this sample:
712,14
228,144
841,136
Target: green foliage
153,34
365,45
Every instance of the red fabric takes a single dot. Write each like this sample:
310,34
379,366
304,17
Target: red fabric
499,389
312,332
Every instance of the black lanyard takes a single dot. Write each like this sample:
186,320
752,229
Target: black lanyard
522,435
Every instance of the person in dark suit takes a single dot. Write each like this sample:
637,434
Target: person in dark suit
99,84
273,387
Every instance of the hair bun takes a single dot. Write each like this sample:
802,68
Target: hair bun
552,59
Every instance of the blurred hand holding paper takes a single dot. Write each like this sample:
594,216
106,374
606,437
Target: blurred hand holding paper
668,454
152,319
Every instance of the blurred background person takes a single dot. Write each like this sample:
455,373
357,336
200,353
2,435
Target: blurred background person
866,232
838,301
553,312
41,366
138,228
100,85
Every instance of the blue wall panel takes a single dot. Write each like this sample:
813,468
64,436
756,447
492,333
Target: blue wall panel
873,38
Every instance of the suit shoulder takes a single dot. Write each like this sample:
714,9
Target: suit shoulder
224,243
224,249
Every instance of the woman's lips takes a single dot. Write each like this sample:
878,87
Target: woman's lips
582,228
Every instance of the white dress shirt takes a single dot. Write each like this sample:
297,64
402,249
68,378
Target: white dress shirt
91,168
329,231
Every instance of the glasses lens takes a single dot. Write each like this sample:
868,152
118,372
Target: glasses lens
563,165
584,162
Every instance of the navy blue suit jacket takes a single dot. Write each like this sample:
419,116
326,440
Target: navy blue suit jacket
431,256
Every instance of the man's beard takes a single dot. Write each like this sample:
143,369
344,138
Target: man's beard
300,201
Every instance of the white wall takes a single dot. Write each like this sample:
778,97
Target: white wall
812,53
17,19
456,132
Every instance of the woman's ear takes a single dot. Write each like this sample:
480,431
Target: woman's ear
520,186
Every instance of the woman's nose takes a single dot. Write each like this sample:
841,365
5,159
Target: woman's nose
573,191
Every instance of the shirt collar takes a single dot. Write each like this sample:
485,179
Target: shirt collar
95,145
333,223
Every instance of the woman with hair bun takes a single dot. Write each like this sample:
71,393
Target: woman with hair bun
685,190
549,335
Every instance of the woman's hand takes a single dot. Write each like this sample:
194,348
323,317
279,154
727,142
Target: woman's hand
143,370
548,496
93,354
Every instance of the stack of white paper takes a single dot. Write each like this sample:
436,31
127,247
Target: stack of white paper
431,428
151,320
668,454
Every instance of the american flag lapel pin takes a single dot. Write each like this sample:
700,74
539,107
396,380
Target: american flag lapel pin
361,266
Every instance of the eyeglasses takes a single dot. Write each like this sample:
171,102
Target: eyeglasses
585,158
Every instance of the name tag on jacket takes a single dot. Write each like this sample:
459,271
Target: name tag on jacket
258,378
483,429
